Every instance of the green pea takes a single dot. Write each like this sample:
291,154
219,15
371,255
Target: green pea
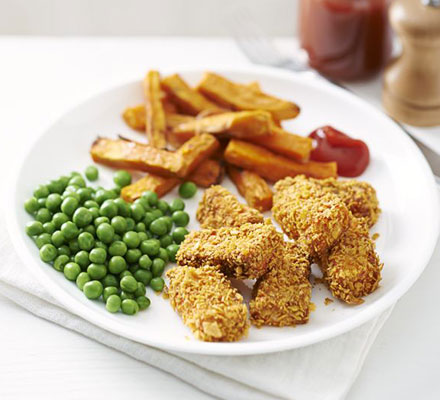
156,213
172,250
48,252
72,194
117,264
98,255
158,267
117,248
82,259
53,202
57,238
97,271
180,218
82,217
41,191
163,206
93,289
91,229
60,262
31,205
145,262
101,245
43,239
91,173
86,241
144,203
133,269
108,291
56,186
113,304
78,181
69,205
105,232
144,236
125,295
137,212
110,280
70,230
123,207
140,290
91,204
64,181
129,307
95,213
41,202
43,215
59,218
101,220
119,224
64,250
148,219
103,195
128,284
163,255
34,228
71,271
131,239
179,234
177,205
82,279
159,227
116,190
151,197
165,240
74,246
84,194
49,227
108,209
143,302
157,284
125,273
122,178
140,227
187,190
130,224
143,276
150,247
133,256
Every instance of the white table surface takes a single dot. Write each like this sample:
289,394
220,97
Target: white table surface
42,78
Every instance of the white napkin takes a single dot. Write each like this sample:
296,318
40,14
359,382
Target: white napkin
322,371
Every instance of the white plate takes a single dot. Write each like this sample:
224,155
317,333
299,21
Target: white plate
408,226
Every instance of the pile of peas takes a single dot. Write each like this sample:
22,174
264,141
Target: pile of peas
112,249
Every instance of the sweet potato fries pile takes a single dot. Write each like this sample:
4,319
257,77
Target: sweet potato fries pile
194,133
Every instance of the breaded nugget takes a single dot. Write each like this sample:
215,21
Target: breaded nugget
207,303
352,268
219,208
248,251
282,296
304,210
359,197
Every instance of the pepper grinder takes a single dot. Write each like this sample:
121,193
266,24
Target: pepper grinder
411,91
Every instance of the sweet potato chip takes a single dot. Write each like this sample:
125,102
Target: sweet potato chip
188,100
242,97
252,187
209,172
134,117
155,183
272,166
154,113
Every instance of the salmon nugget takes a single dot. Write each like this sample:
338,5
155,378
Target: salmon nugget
245,252
305,211
352,268
282,296
207,303
219,208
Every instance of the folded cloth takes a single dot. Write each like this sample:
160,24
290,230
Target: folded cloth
322,371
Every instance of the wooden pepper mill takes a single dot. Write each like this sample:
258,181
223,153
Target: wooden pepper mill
411,91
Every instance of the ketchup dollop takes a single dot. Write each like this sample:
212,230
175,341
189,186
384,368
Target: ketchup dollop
351,155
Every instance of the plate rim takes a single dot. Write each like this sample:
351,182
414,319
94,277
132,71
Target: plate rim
235,348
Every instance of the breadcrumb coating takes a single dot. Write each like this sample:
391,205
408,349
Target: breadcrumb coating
207,303
219,208
359,197
245,252
282,296
352,268
304,210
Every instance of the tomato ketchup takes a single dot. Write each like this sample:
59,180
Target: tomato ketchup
351,155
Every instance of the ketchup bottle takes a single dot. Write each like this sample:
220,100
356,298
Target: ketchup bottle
346,39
